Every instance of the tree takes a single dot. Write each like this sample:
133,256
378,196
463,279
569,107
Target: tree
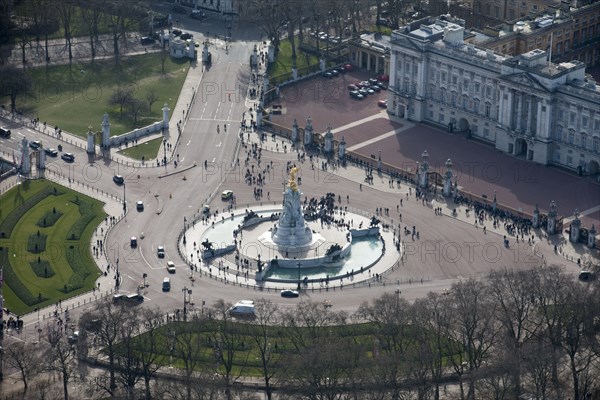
151,98
25,358
112,318
122,96
266,318
390,315
15,83
163,54
127,357
514,295
228,341
188,348
66,13
147,346
122,17
471,329
135,107
91,11
61,357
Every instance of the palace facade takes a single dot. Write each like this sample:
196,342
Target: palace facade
523,105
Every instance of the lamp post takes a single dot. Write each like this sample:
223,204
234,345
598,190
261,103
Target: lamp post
117,275
165,153
124,200
187,292
299,265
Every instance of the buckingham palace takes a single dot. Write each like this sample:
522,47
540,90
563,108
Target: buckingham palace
523,105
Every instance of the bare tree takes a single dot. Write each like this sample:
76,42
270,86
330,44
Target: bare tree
135,107
66,13
471,331
25,358
127,357
15,83
188,347
228,341
112,318
390,315
147,346
266,318
122,96
61,357
272,17
91,12
151,98
513,292
122,18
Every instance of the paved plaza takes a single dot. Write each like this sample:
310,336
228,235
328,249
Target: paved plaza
481,169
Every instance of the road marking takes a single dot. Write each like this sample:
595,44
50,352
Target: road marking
188,143
218,145
214,159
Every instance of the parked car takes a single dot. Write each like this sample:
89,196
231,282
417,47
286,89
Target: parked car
118,179
352,86
36,144
383,78
373,81
51,152
176,32
186,36
376,88
382,85
179,9
197,14
364,92
335,72
348,67
355,94
382,103
68,157
289,293
326,74
146,40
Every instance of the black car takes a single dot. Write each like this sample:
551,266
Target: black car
118,179
197,14
51,152
327,74
289,293
185,36
68,157
335,72
146,40
36,144
176,32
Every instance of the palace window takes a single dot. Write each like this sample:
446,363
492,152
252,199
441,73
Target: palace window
571,137
596,144
476,106
558,133
583,140
488,109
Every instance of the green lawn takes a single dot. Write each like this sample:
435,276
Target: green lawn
77,97
148,150
34,278
283,60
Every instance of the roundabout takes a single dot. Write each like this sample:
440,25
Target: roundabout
304,241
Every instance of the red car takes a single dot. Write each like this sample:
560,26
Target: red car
348,67
383,78
382,103
352,86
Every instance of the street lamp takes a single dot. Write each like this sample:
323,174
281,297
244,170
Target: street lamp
117,275
165,153
124,200
185,291
299,265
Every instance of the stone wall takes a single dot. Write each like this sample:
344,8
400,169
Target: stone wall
136,133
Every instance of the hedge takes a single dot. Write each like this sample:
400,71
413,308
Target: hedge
87,215
49,218
36,242
12,280
80,272
8,224
42,268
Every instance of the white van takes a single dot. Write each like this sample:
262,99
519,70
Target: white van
166,284
243,308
